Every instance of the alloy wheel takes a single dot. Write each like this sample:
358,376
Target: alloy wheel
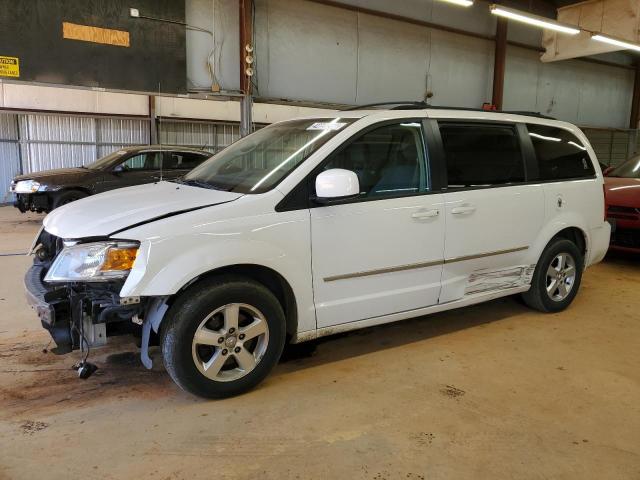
230,342
561,276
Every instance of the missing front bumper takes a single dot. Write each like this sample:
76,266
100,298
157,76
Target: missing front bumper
35,202
58,326
77,315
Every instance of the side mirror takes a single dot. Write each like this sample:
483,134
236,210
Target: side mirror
607,171
336,184
118,169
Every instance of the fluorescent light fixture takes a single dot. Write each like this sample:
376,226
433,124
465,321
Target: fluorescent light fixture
614,41
535,20
462,3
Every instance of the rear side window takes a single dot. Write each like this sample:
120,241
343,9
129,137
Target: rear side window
481,154
561,155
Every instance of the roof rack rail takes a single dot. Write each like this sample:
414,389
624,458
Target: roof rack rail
529,114
401,105
423,105
508,112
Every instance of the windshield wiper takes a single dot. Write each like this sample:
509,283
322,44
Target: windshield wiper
194,183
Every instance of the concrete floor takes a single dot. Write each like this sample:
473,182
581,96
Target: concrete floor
492,391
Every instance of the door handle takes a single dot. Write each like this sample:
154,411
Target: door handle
463,210
425,214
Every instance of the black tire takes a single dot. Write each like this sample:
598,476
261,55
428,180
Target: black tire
185,317
67,196
537,297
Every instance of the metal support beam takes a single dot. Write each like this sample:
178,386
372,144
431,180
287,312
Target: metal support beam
635,101
632,144
246,49
245,17
499,62
246,120
153,124
19,145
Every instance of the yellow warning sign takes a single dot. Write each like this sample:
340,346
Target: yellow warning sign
9,67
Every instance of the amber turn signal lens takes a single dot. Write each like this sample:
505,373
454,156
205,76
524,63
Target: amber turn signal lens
119,259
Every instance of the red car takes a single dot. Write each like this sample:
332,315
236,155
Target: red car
622,194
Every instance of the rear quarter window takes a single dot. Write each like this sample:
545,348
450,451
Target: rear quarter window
560,154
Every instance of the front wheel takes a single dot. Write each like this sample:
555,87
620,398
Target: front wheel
66,197
556,278
222,337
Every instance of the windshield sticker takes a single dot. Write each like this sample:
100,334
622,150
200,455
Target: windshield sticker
326,126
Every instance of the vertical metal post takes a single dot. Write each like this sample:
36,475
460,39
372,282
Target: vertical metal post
499,62
246,40
246,120
19,144
632,143
611,139
635,101
153,124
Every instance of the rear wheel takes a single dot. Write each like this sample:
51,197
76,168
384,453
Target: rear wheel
222,337
557,277
67,196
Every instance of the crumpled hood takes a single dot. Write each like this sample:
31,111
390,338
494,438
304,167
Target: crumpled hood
624,192
109,212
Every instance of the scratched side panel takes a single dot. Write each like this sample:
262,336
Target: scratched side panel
487,280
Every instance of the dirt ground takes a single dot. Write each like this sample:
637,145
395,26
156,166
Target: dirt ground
492,391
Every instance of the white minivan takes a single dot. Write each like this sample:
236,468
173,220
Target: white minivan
314,226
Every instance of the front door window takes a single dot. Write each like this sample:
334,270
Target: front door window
389,161
143,161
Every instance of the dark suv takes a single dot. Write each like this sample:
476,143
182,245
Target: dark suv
49,189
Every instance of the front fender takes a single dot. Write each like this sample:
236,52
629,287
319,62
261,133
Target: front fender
168,267
164,265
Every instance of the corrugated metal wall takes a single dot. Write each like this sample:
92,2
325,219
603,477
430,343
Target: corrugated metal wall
50,141
35,142
115,133
9,154
57,141
613,147
210,136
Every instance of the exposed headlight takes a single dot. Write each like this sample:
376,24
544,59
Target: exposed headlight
93,262
27,186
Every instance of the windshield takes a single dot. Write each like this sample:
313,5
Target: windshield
258,162
629,169
107,161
